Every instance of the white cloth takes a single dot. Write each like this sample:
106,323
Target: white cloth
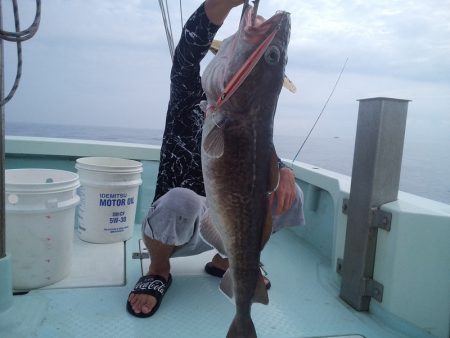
180,218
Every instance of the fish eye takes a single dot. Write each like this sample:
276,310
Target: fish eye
272,55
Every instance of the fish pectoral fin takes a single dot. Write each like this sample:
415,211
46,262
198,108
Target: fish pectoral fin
214,142
226,285
260,295
203,106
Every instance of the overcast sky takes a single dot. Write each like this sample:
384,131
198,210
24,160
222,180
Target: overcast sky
106,62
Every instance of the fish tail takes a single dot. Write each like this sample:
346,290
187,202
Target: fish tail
242,327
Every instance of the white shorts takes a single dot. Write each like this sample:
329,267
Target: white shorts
175,218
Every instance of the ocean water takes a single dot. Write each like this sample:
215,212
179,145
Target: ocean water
425,165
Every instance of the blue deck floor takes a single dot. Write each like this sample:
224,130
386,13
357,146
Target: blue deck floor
304,302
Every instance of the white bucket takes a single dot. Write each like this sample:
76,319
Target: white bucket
40,218
109,193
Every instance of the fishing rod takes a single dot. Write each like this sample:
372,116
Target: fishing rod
321,112
167,25
181,15
163,5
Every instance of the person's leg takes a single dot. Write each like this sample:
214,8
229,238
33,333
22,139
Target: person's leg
219,265
160,266
160,254
170,229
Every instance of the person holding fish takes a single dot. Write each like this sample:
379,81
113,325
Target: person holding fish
181,221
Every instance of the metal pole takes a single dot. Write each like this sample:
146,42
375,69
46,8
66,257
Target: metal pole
375,181
2,149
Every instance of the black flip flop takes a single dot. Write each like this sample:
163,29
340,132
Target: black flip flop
210,269
153,285
213,271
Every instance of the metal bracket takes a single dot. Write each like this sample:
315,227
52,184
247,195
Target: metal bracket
378,218
339,266
373,289
140,255
345,206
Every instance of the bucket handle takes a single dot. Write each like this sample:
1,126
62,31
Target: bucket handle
52,203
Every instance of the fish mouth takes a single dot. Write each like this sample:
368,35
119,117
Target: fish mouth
256,28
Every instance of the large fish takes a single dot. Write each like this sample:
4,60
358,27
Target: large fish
242,84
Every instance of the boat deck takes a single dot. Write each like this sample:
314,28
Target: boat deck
304,299
304,302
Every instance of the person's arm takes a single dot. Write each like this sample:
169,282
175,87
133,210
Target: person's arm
195,40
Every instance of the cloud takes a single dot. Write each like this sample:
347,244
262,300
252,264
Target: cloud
93,60
407,39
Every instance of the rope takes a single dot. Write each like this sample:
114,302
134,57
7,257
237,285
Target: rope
19,36
27,33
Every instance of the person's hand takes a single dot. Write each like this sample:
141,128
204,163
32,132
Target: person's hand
217,10
286,192
235,3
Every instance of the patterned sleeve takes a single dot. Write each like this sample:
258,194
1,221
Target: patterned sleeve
194,43
180,160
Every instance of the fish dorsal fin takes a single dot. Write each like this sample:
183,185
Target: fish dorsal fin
260,295
214,142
